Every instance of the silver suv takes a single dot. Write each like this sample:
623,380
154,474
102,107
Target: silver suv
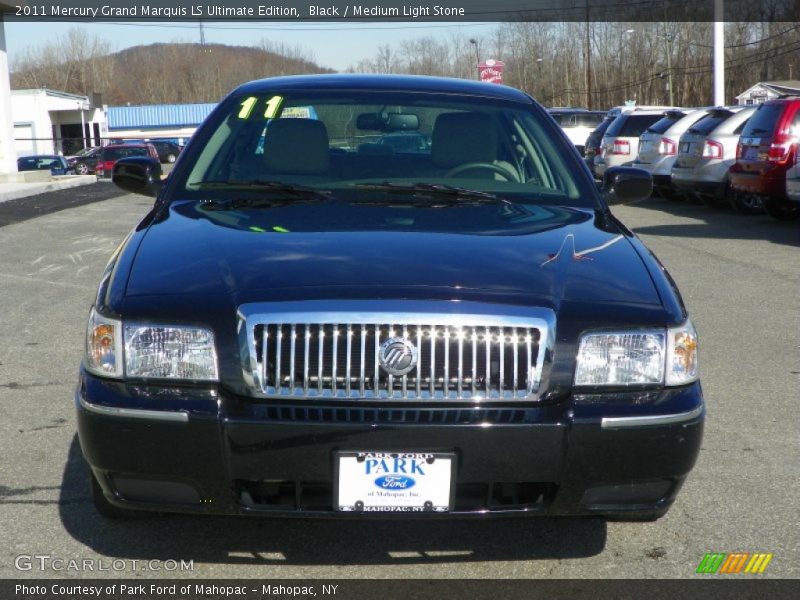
658,145
705,153
620,144
577,123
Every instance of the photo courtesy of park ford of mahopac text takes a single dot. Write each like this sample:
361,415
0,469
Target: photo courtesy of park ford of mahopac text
399,299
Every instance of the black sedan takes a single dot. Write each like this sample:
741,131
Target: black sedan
301,328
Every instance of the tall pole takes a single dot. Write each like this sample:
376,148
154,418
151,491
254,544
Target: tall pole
719,53
588,74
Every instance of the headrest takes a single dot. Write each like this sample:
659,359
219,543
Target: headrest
296,146
460,138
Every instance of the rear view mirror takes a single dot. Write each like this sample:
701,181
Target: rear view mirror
387,122
626,184
402,122
138,174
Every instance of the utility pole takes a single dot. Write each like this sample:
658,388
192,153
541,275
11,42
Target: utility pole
202,34
719,53
588,75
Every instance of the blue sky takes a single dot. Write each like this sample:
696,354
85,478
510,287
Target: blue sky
333,45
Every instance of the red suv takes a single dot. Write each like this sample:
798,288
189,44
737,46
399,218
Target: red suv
112,153
766,151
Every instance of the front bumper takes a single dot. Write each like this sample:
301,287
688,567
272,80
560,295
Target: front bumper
200,450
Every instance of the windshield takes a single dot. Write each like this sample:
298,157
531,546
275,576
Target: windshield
378,144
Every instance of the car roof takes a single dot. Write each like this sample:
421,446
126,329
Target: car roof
402,83
38,156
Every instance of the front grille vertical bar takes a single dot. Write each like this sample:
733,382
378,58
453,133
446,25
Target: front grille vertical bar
320,355
501,340
334,357
292,348
474,361
376,381
349,360
515,339
460,334
433,361
488,360
446,375
305,358
265,357
419,361
405,376
530,375
278,344
362,376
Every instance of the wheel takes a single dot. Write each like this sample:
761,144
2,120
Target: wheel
104,507
81,168
782,211
504,172
745,204
171,158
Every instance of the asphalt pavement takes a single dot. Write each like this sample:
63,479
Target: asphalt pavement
739,278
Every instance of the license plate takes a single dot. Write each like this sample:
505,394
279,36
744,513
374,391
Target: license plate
684,147
394,481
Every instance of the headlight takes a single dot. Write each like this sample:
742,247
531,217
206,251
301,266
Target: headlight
623,358
103,346
169,352
150,351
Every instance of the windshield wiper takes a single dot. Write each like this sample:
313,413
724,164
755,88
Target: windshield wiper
278,188
449,193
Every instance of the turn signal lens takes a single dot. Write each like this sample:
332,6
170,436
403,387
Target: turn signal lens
681,355
103,346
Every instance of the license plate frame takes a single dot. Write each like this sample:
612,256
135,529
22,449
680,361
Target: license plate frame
440,502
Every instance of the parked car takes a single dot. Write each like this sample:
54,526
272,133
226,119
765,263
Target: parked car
767,149
620,144
85,162
167,151
793,180
658,145
577,123
705,154
594,142
464,332
57,165
110,154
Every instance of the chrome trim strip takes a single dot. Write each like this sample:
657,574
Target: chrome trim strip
644,421
134,413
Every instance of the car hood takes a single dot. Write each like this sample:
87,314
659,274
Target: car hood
579,256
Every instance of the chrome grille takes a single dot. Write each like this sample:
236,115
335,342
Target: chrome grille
336,355
341,360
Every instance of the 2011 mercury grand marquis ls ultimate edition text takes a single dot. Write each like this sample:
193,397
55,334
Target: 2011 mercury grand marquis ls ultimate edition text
311,322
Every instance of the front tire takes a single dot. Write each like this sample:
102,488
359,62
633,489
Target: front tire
782,211
82,169
171,158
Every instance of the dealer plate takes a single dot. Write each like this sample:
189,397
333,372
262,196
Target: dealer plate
394,481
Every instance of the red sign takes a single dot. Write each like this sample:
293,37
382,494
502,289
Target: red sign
491,71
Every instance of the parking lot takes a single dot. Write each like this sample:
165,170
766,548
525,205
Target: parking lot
739,277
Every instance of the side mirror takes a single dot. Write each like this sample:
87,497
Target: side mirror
138,174
626,184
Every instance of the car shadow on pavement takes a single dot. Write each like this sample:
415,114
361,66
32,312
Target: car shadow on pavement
246,541
719,223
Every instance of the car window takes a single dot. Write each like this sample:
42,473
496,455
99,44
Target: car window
357,139
709,123
664,123
117,153
631,125
763,121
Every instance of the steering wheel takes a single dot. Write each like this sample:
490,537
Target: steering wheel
501,170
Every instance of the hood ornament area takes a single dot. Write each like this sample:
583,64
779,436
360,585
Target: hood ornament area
397,356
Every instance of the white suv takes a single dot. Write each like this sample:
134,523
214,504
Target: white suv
705,153
658,145
620,144
577,123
